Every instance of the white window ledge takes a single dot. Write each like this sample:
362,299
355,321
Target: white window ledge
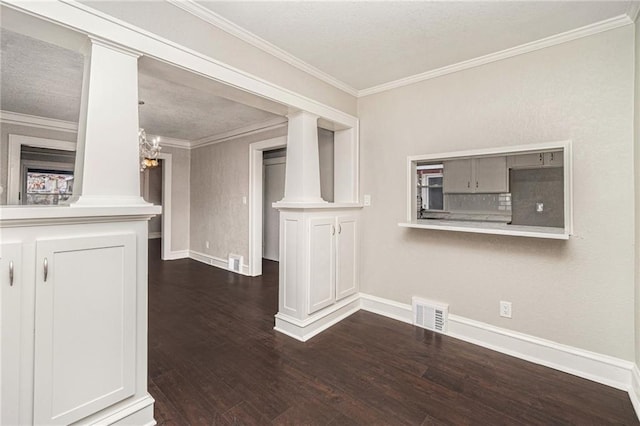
490,228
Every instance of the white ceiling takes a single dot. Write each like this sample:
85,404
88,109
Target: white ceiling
44,80
365,44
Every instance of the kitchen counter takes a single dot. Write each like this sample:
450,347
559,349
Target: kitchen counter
486,227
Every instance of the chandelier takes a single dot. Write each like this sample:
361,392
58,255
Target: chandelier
149,150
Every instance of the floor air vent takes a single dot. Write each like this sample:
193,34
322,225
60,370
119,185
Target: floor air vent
430,315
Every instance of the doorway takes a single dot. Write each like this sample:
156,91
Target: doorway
272,191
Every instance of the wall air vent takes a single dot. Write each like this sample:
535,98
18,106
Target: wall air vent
235,262
430,315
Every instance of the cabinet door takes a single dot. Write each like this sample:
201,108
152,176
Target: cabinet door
85,326
346,257
457,176
321,263
490,174
526,160
553,159
12,283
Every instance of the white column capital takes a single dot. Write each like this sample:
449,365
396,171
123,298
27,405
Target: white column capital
99,41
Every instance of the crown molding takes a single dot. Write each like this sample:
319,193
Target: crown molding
235,30
251,129
171,142
632,12
8,117
598,27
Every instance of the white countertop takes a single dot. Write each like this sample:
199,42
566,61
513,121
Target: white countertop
489,228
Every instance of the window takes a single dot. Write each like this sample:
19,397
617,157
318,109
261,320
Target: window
430,196
48,187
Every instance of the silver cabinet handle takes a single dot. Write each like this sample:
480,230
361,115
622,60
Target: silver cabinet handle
468,184
11,273
333,230
46,269
339,229
476,184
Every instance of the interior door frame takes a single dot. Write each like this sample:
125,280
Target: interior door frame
266,163
255,200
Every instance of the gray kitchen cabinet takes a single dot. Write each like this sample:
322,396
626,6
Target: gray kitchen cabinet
477,175
457,176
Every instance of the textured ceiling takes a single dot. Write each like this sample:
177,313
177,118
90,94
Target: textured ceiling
44,80
39,78
365,44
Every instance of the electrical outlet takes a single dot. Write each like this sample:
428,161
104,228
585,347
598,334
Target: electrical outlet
206,244
244,200
539,207
505,309
367,199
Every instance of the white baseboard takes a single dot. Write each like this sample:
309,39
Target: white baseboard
217,262
305,330
179,254
137,412
387,308
599,368
155,235
634,389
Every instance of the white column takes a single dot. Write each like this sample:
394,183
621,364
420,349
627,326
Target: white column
107,160
302,176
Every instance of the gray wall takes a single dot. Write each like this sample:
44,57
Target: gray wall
219,180
6,130
578,292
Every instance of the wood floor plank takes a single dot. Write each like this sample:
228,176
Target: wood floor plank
214,359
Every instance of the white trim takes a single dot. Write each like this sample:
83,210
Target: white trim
167,206
604,369
595,28
632,12
217,262
229,27
255,200
135,412
8,117
13,159
599,368
175,255
250,129
304,330
154,235
634,389
171,142
387,308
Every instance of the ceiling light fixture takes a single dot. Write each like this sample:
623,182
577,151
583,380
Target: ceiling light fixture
148,150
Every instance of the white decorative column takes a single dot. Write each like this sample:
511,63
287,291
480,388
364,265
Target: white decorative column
302,176
107,159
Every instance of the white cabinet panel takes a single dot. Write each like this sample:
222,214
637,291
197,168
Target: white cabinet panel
85,326
490,174
321,264
12,282
457,176
346,257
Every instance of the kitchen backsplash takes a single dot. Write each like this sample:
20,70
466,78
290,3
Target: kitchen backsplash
485,203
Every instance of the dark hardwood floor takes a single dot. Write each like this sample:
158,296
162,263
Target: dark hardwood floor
215,359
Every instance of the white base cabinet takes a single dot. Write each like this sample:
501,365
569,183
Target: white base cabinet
73,330
318,266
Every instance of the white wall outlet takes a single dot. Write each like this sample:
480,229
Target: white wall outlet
244,200
206,244
367,199
539,207
505,309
